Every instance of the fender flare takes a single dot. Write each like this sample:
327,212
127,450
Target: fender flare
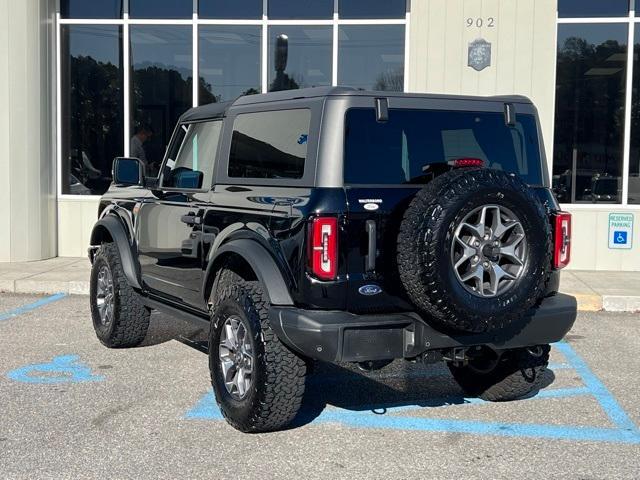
262,263
119,236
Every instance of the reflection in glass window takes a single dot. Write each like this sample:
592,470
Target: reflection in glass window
593,8
372,8
84,9
192,166
300,9
405,148
92,106
270,144
160,8
589,124
634,155
161,87
229,61
299,56
240,9
371,57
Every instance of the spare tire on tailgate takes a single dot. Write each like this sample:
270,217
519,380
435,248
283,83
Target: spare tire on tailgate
474,250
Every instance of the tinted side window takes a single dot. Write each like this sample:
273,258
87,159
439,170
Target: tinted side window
403,149
190,165
269,144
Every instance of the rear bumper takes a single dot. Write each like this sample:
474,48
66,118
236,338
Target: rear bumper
335,336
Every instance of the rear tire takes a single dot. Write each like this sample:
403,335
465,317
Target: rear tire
516,374
272,397
119,318
430,235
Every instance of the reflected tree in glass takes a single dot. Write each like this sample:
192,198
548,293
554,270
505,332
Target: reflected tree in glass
589,124
161,84
92,106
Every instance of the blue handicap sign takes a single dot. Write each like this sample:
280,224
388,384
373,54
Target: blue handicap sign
620,237
62,369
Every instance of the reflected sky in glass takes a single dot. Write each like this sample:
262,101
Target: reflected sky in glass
372,8
84,9
237,9
229,61
371,57
593,8
300,9
308,56
160,8
161,81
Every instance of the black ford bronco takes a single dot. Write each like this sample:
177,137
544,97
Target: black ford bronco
343,226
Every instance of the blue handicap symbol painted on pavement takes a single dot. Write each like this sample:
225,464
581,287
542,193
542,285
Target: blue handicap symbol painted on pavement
620,238
62,369
397,417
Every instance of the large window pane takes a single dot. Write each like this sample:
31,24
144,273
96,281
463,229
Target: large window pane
230,9
84,9
371,56
160,8
92,106
299,56
593,8
229,61
589,124
161,86
634,156
288,9
372,8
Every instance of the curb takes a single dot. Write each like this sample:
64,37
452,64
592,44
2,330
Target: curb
45,287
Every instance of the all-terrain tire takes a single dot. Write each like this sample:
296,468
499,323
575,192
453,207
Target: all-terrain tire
517,374
130,322
277,387
424,250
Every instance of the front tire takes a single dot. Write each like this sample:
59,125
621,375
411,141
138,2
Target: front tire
515,374
258,382
120,319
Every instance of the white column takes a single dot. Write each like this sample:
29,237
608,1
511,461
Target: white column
27,131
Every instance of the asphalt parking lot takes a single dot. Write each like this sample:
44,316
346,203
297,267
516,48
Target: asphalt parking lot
74,409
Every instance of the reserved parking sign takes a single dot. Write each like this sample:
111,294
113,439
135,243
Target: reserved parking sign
620,230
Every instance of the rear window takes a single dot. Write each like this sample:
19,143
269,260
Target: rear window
401,149
269,144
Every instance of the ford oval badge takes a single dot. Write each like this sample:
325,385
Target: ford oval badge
369,290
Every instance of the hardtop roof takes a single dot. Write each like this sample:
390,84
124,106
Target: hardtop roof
219,109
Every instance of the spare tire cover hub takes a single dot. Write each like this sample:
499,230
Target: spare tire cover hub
488,250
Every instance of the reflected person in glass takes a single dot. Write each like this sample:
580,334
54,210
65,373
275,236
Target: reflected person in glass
136,147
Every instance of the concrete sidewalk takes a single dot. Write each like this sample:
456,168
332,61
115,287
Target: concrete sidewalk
610,291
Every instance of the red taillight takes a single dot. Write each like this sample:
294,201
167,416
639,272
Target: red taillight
562,240
466,162
323,247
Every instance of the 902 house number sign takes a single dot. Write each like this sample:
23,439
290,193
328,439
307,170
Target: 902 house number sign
481,22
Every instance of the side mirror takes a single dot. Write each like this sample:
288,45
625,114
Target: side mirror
128,171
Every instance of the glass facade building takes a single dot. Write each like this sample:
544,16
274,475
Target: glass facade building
130,68
596,156
95,80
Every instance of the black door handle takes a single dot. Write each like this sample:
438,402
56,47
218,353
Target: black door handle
191,219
